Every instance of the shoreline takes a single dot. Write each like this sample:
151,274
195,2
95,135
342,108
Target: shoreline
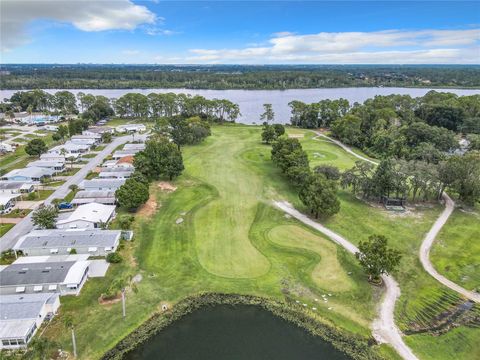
353,346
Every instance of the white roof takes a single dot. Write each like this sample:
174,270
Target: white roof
75,274
50,258
30,172
5,198
70,146
92,212
14,329
46,163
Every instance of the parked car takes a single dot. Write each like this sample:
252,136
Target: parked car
64,206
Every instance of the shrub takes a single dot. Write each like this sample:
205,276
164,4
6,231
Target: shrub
114,258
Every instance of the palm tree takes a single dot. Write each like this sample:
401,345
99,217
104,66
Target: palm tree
68,323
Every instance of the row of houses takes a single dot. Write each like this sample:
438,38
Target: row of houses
58,262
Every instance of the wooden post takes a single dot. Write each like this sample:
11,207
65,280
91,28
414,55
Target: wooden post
123,302
74,344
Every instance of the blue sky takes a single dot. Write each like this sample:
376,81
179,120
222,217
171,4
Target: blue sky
260,32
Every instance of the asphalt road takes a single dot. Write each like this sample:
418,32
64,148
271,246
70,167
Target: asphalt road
11,237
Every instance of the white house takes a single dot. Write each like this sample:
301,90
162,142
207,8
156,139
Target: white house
70,148
22,314
7,202
94,242
16,187
131,128
106,197
4,147
117,155
29,174
50,128
54,157
132,146
116,174
98,130
88,216
57,166
32,275
101,184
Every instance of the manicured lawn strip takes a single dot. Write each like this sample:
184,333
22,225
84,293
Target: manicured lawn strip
456,251
4,228
17,213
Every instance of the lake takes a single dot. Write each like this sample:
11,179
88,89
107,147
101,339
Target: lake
251,101
241,333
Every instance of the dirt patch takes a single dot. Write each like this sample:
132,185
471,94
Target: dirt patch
296,136
166,186
149,208
114,300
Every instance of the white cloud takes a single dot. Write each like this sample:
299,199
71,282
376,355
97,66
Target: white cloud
86,15
389,46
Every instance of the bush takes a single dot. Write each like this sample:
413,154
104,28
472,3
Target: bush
114,258
73,251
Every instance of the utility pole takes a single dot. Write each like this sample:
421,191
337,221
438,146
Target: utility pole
123,302
74,343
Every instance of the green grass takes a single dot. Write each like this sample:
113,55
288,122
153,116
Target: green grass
56,182
88,156
232,240
4,228
43,194
456,251
17,213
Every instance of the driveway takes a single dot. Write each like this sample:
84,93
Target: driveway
11,237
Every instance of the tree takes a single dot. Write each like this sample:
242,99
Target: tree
45,217
348,129
36,147
268,114
107,137
329,171
377,258
132,194
268,134
62,131
160,159
279,129
319,195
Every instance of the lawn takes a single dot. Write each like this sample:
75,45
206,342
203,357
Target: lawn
4,228
17,213
456,251
232,240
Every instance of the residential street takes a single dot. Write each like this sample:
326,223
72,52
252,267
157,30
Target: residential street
23,227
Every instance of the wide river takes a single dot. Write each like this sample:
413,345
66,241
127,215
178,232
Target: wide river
251,101
240,333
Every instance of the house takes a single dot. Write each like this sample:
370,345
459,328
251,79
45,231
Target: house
4,148
7,202
22,314
117,174
98,130
101,184
54,157
89,142
70,148
123,153
127,128
106,197
57,166
138,146
61,242
50,128
38,276
16,187
88,216
29,174
125,162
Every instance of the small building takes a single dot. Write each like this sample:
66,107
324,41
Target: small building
4,148
61,242
29,174
70,148
63,277
123,153
22,315
129,128
50,128
118,174
98,130
7,202
89,142
132,146
105,197
16,187
88,216
101,184
57,166
53,157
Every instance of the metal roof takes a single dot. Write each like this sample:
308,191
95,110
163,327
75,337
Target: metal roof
25,306
35,273
46,239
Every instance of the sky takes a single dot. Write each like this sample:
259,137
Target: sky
239,32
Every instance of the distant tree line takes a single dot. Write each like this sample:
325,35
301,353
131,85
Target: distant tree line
234,76
131,105
399,126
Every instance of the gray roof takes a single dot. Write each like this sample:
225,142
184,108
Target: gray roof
9,185
50,239
30,172
25,306
102,183
35,273
83,194
116,169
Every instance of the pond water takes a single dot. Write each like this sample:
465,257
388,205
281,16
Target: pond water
241,333
251,101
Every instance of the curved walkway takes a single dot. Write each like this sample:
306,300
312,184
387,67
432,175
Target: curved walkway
384,329
427,245
429,238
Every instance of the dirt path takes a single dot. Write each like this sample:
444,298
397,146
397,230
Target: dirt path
427,245
384,329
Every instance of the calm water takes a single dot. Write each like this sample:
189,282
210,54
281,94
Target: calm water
251,101
234,333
